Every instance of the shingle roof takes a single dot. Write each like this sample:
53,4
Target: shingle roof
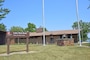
55,32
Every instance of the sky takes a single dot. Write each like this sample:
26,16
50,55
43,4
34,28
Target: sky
59,14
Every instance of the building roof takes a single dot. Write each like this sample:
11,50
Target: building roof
60,32
3,31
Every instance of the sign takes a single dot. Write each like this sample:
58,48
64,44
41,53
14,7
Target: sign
20,34
17,35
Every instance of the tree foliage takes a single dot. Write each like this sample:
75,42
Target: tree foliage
89,5
44,28
2,27
17,29
3,11
31,27
84,27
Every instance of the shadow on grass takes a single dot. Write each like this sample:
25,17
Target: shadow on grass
13,51
17,51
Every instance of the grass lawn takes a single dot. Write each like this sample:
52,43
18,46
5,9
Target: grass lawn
49,52
86,44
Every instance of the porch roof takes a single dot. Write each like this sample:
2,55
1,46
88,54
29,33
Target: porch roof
60,32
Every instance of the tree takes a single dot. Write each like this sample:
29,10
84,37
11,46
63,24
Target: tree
31,27
88,6
44,28
2,27
3,11
17,29
84,27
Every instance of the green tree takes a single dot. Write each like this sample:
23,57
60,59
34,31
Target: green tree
17,29
31,27
3,11
2,27
89,5
44,28
84,27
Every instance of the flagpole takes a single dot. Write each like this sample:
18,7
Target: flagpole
43,18
77,14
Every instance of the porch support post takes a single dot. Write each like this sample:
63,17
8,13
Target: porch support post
8,45
27,47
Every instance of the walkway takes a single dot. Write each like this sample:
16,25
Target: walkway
23,52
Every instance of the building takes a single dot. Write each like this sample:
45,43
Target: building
2,37
50,36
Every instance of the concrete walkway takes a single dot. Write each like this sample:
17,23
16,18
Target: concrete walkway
23,52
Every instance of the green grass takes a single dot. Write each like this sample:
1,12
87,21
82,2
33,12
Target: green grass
86,44
49,52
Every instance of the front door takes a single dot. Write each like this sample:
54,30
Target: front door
51,40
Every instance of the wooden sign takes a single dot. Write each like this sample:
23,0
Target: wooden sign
17,35
20,34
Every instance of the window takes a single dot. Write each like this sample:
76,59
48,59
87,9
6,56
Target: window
60,36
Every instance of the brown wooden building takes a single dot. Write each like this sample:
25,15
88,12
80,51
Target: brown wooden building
50,36
2,37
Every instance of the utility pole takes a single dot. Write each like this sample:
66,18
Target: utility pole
77,14
43,18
